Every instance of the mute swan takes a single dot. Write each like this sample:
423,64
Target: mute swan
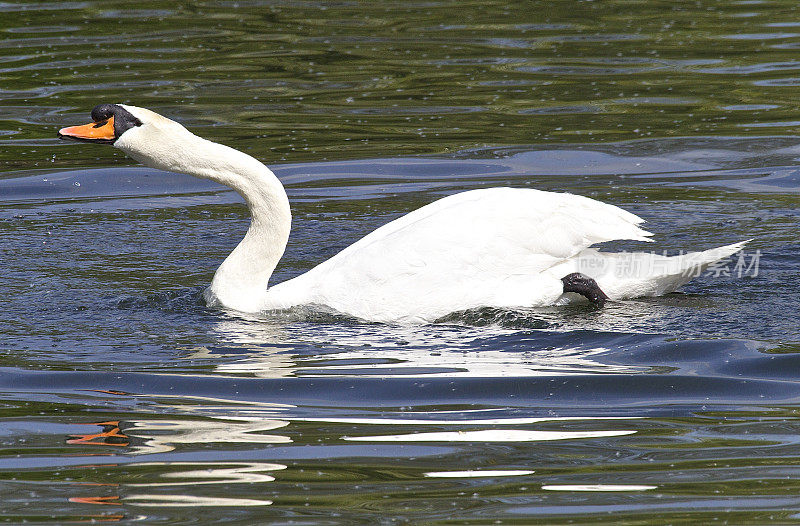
497,247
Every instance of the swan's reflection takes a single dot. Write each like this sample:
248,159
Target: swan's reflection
173,481
148,437
221,473
160,436
109,435
277,349
176,501
189,475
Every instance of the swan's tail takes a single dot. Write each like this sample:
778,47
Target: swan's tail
635,274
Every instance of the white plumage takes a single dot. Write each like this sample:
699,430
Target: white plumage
498,247
479,248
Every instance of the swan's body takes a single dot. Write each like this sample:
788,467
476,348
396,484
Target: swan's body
498,247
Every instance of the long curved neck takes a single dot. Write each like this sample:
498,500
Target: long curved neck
241,281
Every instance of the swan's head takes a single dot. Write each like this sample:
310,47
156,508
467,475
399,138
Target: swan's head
145,135
110,122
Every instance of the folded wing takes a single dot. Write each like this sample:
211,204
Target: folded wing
479,248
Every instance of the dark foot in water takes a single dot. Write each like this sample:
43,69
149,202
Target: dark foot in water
585,286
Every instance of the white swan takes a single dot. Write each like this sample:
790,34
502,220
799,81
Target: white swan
498,247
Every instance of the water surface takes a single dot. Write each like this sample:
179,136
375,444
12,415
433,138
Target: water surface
123,397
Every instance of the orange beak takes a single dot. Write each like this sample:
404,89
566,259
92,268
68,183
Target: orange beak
102,132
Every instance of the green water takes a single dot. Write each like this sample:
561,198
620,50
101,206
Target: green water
293,81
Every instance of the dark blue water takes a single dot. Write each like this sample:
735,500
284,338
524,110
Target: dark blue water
125,396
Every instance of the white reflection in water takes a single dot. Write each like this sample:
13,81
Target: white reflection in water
173,501
211,419
244,422
359,350
490,435
479,473
597,487
276,349
413,363
212,473
222,408
480,421
163,435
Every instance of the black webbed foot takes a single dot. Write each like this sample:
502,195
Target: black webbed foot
585,286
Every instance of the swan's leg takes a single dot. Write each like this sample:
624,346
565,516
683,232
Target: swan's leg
585,286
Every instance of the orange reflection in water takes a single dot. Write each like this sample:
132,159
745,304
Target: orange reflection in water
158,436
111,435
111,500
